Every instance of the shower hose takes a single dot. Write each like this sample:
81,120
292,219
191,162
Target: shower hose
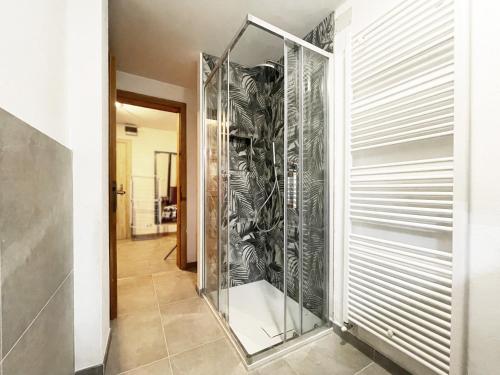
275,187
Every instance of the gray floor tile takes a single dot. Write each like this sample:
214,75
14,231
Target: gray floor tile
395,369
137,339
175,286
215,358
136,294
161,367
279,367
327,356
188,324
195,340
373,369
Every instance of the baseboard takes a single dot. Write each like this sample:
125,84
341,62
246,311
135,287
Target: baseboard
98,369
108,343
152,236
191,265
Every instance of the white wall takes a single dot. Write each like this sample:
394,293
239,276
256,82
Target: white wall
143,147
87,63
146,86
484,292
33,62
53,75
145,144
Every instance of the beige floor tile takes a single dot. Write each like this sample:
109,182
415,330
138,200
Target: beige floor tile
162,250
134,250
161,367
327,356
140,258
137,339
133,268
157,255
160,265
188,324
216,358
175,286
136,294
373,369
279,367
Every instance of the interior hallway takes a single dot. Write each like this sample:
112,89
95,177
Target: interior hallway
164,328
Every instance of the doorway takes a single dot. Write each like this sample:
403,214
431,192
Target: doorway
147,184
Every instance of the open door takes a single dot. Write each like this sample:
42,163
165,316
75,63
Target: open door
132,98
181,190
113,286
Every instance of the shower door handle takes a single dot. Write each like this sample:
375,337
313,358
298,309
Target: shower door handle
292,181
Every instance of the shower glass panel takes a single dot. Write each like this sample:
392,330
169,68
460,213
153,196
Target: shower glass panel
266,186
211,256
256,190
314,188
224,198
306,188
292,187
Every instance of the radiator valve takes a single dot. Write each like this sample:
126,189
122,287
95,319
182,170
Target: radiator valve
346,327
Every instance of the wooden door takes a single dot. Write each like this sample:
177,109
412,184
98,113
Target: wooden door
182,262
123,161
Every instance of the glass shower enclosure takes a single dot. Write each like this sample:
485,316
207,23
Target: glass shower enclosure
266,153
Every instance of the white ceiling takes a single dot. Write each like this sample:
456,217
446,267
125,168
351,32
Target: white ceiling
161,39
146,117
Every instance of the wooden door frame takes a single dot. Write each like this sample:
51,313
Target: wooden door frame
113,280
132,98
128,146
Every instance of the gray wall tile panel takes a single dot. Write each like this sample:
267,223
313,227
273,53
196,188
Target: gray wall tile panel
35,222
36,252
47,346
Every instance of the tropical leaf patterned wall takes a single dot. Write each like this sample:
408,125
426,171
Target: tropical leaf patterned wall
322,35
256,121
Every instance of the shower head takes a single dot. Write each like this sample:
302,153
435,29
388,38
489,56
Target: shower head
266,65
267,71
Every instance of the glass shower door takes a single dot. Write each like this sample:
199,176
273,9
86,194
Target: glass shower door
292,188
314,202
217,191
212,190
306,188
224,194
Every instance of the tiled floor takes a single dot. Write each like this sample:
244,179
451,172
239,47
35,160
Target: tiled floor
164,328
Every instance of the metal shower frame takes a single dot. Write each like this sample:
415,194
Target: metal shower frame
285,346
